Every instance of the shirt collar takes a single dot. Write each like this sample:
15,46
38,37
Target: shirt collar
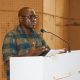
20,30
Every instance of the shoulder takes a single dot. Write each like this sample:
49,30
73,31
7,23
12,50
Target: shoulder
37,32
12,33
9,37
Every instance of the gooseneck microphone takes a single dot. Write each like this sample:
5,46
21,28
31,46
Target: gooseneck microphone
42,30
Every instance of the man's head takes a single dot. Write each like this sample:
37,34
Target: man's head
27,17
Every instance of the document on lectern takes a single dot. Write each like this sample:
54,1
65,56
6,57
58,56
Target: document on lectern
58,67
53,52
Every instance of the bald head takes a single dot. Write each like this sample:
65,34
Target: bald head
25,10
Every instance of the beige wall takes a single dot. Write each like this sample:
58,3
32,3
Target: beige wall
49,21
61,18
62,13
53,21
74,31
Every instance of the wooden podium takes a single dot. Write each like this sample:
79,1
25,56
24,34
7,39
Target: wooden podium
58,67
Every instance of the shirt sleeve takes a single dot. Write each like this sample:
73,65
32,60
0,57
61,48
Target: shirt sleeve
44,44
9,47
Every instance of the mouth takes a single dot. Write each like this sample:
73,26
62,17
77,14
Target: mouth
33,23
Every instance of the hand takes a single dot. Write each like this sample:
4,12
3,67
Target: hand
36,51
63,50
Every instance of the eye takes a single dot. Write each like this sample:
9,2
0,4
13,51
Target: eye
34,16
29,17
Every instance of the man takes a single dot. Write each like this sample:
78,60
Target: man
23,40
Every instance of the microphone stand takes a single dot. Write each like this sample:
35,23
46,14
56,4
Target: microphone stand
69,50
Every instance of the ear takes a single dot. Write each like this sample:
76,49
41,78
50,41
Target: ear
20,19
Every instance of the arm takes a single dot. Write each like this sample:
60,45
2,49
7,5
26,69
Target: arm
9,47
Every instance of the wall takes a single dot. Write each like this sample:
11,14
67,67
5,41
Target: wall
49,21
54,18
74,30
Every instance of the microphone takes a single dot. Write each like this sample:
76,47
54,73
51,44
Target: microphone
42,30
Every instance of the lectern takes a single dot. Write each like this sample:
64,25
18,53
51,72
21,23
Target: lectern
58,67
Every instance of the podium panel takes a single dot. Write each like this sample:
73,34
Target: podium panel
58,67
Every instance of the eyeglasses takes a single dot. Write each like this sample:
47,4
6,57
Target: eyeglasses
30,17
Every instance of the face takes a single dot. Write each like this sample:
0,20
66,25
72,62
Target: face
28,19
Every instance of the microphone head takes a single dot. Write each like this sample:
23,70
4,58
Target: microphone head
42,30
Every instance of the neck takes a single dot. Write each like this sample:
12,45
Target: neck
26,30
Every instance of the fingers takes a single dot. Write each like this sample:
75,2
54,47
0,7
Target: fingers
44,49
37,50
34,44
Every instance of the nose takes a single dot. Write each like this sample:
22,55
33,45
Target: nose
34,19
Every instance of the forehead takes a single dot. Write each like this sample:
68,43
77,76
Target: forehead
27,12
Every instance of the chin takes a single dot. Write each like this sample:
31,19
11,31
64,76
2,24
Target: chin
32,27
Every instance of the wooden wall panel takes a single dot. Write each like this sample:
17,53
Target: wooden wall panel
54,20
49,25
49,21
62,15
74,30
